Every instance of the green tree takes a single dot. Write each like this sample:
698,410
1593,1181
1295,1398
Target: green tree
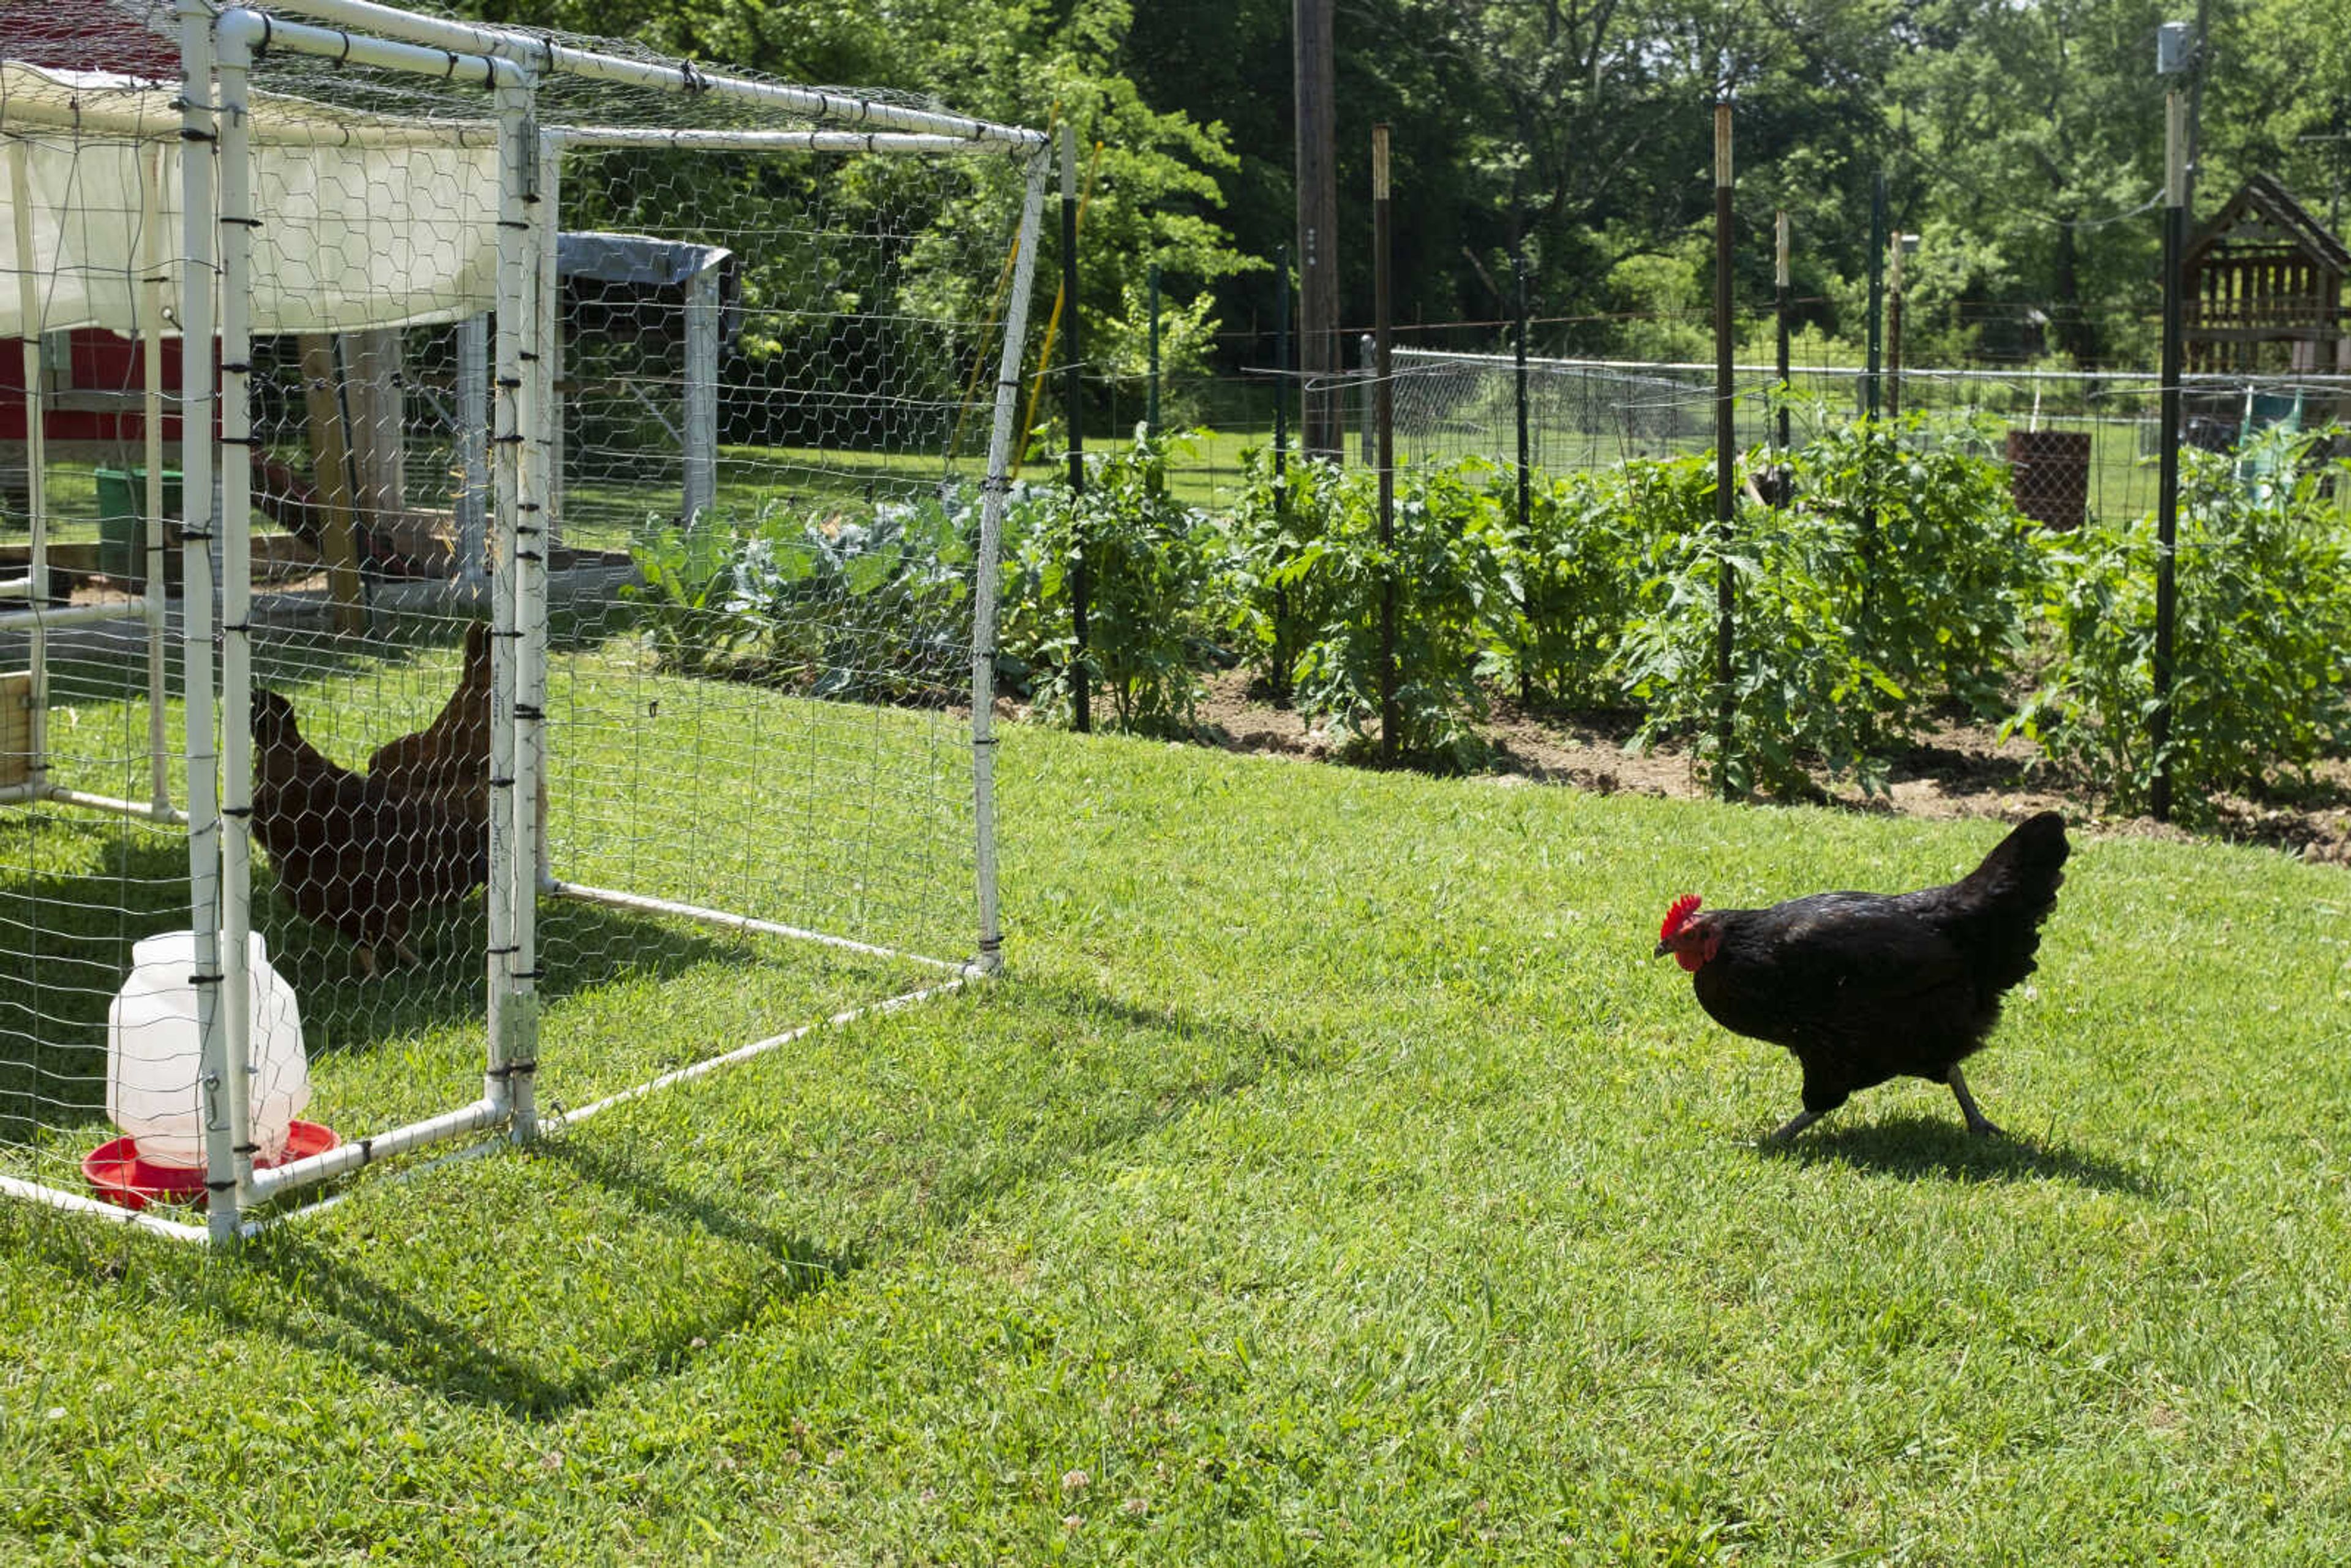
2039,130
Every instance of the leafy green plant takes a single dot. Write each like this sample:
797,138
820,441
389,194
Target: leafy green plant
1942,569
1279,515
1152,612
1899,577
2260,671
1800,687
1572,571
1445,560
689,593
840,603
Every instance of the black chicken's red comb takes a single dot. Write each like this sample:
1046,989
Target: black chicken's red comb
1678,916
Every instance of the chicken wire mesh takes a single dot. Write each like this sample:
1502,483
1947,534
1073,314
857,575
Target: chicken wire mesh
749,488
89,663
2078,444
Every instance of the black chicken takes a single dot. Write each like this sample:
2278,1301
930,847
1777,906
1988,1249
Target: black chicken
353,852
1865,987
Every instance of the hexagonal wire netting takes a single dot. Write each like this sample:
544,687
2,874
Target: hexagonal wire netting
592,564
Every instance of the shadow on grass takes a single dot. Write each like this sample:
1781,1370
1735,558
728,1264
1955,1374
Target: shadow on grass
692,1263
1918,1147
352,1311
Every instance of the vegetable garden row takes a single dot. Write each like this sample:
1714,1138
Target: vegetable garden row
1895,589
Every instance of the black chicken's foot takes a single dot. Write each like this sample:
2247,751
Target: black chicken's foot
1978,1125
1791,1126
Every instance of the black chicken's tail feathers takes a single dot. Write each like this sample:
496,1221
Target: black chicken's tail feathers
2003,902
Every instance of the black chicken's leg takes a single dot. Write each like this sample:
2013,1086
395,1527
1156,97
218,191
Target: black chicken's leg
1977,1121
1791,1126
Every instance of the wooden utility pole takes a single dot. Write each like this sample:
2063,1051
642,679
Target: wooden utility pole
1894,330
2177,122
1317,177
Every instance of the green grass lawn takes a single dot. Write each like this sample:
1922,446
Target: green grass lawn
1334,1178
824,816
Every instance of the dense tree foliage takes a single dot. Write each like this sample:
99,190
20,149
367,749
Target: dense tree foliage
2022,139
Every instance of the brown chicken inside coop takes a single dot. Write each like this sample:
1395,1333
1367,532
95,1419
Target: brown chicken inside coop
356,854
449,759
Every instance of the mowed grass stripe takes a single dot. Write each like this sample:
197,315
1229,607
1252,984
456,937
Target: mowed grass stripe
1336,1177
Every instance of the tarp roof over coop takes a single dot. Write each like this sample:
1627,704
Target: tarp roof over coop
375,220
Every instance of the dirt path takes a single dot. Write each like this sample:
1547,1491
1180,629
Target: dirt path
1962,770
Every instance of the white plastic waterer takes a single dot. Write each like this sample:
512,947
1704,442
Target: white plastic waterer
155,1072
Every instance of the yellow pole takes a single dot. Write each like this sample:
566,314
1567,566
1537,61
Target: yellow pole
1053,328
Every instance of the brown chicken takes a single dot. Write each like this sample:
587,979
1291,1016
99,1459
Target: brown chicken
351,853
449,759
1864,986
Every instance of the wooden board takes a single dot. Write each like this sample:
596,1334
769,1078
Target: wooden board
16,728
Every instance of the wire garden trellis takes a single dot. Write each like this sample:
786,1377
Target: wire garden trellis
492,325
1593,413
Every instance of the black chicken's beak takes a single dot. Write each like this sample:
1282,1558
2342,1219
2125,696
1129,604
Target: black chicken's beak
1661,952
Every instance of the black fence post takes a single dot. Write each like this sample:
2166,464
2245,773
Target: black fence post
1384,403
1783,299
1281,461
1526,466
1726,440
1526,469
1082,678
1151,413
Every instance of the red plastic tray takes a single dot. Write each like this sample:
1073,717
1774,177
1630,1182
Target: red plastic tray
117,1173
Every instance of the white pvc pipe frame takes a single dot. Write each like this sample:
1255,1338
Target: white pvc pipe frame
220,892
